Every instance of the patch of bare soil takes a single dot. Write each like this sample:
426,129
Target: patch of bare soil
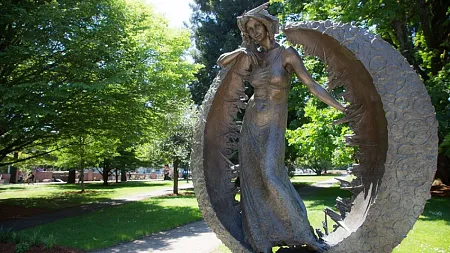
80,193
439,189
9,248
10,212
180,193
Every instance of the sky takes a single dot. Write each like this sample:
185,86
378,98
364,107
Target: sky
176,11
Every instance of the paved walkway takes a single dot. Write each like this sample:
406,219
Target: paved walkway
191,238
59,214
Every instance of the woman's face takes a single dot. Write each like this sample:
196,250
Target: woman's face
256,30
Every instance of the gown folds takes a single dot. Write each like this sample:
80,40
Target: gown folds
273,212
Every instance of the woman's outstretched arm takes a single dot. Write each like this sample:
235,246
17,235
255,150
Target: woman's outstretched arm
294,61
227,58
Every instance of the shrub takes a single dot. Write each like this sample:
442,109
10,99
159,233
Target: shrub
49,242
22,247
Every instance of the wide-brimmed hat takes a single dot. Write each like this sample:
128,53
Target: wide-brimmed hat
262,15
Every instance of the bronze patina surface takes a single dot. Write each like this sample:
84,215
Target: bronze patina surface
390,113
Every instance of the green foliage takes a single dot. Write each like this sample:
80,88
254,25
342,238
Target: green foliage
49,241
439,89
23,242
22,247
34,238
5,235
320,144
73,69
15,237
418,29
176,143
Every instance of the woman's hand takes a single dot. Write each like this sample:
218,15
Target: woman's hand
253,56
259,76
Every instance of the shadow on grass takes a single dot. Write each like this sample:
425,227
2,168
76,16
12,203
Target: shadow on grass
298,185
113,225
58,200
437,208
13,188
100,186
323,196
70,194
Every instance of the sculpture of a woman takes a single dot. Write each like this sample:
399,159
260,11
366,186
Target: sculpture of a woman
389,111
273,212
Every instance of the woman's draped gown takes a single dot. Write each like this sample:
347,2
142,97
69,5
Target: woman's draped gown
273,212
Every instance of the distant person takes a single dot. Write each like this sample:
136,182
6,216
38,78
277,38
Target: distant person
30,178
167,172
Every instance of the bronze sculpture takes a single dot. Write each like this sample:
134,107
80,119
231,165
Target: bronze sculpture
271,207
389,111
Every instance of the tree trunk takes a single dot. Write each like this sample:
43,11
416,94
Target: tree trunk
123,175
82,176
443,169
105,176
117,176
82,155
71,178
434,21
406,45
105,172
13,170
175,176
13,175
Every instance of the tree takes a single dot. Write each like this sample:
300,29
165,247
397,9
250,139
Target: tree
418,29
126,160
79,154
319,143
175,145
71,68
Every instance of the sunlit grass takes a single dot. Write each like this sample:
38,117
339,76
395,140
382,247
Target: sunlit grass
312,178
431,231
111,226
56,196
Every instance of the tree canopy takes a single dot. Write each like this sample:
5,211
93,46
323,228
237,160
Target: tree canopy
319,144
419,29
68,68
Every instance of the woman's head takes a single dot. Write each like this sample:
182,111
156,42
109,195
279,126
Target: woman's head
256,30
260,15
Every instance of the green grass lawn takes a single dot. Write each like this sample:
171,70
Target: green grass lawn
312,178
431,232
56,196
110,226
113,225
